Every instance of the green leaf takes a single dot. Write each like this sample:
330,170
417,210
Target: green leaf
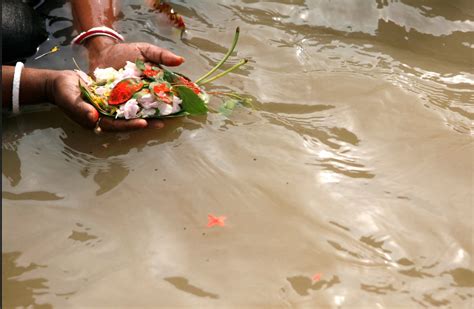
140,64
228,107
169,76
230,104
94,100
192,103
85,93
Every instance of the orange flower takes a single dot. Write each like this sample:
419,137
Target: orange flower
150,73
161,88
124,91
190,85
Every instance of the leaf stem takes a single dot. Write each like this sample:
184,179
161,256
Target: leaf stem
75,63
229,52
241,62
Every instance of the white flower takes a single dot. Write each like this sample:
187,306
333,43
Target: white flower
131,70
101,90
177,103
128,110
105,75
165,109
114,83
85,78
145,113
168,109
148,101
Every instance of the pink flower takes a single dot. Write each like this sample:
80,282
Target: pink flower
148,101
145,113
128,110
168,109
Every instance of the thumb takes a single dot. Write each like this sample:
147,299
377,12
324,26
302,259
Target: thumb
92,116
84,114
159,55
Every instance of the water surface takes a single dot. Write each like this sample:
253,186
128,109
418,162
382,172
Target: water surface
356,165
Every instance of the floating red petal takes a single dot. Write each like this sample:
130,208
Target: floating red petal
213,220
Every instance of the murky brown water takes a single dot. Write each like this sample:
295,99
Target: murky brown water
357,165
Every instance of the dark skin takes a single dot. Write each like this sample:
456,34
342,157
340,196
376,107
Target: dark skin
61,87
107,52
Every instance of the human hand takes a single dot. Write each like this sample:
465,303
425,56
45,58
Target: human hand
63,90
103,54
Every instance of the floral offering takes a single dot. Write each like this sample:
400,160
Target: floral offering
146,90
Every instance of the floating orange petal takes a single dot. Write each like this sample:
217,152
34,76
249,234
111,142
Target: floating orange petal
316,277
213,220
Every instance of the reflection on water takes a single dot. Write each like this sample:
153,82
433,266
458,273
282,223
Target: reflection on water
302,284
18,291
35,195
182,284
356,163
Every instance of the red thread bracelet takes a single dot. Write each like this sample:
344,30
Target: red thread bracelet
105,31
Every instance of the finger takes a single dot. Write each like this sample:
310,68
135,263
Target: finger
92,116
155,124
159,55
110,124
81,112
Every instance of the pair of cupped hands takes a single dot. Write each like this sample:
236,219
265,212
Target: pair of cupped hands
65,93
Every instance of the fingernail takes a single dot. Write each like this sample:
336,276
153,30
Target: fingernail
182,59
93,116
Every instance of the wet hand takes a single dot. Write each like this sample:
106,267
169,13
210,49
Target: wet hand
115,55
63,91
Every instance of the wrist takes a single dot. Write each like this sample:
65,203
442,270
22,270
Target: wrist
50,80
36,85
97,43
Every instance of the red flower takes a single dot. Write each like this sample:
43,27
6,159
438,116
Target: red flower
161,88
163,97
150,73
160,91
190,85
123,91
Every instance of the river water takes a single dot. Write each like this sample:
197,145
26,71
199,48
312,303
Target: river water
350,185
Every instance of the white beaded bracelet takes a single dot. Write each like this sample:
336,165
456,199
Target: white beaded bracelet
16,88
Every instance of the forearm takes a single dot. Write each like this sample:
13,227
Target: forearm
35,85
94,13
